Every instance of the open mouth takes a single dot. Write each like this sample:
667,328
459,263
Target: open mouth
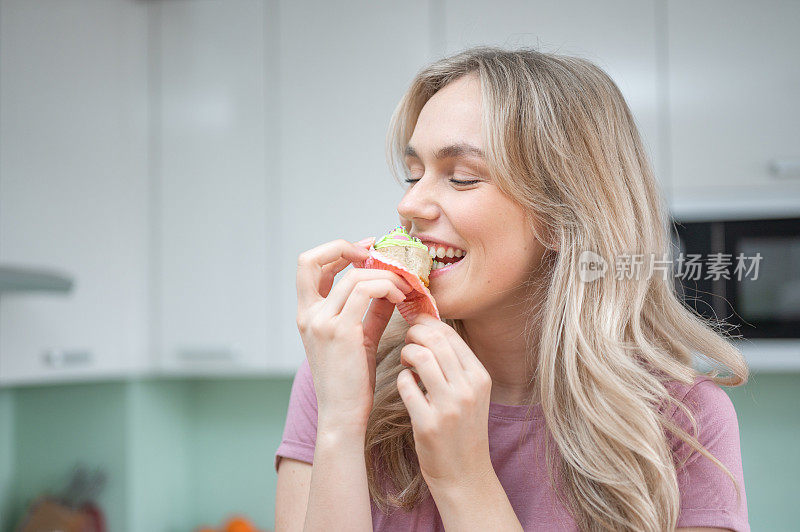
444,256
445,261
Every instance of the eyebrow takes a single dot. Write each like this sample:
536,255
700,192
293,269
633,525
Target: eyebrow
462,149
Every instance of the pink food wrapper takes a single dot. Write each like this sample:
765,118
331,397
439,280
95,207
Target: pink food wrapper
419,301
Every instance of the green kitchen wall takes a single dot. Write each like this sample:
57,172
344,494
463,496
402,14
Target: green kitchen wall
6,456
181,453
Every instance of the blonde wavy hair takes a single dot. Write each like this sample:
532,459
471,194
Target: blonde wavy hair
560,140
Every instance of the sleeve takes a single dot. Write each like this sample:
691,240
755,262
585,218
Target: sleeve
300,430
708,495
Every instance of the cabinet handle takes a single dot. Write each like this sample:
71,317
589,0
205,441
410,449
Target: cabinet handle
208,354
785,168
59,358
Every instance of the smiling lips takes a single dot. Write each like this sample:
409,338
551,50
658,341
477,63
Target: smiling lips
443,255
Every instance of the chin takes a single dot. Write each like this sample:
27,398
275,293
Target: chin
447,312
444,311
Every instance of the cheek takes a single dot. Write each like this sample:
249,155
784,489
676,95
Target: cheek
511,264
509,248
495,228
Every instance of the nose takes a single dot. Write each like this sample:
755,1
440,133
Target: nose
418,203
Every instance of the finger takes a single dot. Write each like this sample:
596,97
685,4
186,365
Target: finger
330,271
356,305
472,366
427,367
436,339
413,371
378,316
366,242
415,401
311,262
466,357
341,292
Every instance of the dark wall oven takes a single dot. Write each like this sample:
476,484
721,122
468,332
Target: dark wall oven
746,272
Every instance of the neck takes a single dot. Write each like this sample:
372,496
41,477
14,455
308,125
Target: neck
498,341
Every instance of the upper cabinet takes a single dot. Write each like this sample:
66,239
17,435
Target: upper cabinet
214,103
174,158
344,67
620,37
74,187
734,87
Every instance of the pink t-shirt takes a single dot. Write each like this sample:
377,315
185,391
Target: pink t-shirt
708,497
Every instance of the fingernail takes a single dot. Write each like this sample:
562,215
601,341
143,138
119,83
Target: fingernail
365,241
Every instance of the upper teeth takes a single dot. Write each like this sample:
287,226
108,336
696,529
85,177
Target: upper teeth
442,251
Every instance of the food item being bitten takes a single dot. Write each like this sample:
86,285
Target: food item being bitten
399,252
408,250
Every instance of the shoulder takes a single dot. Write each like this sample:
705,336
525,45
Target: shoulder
713,417
304,383
303,377
702,397
709,496
300,428
304,372
302,410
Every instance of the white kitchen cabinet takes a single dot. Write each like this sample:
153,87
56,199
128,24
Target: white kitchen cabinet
216,173
344,67
73,186
620,36
734,82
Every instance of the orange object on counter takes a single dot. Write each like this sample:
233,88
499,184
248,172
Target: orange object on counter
239,524
234,524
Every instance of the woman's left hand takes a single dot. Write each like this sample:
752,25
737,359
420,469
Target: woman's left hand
451,420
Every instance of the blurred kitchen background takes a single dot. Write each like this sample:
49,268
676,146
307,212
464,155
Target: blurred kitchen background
163,163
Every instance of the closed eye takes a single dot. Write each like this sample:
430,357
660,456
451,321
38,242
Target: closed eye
455,181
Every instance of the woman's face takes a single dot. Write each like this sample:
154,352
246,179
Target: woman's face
475,217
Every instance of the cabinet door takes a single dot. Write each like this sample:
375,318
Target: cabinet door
734,82
344,67
73,186
215,174
619,36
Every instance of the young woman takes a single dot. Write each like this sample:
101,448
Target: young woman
546,399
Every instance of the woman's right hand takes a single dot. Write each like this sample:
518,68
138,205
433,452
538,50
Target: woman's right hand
340,348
